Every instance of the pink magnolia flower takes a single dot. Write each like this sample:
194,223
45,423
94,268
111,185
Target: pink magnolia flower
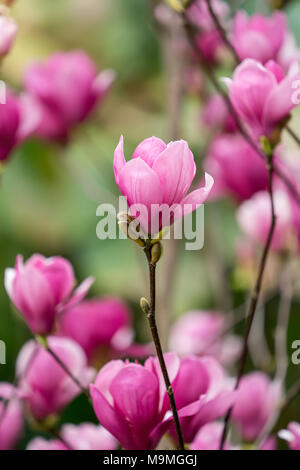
126,401
216,115
96,323
44,385
291,435
198,13
259,37
262,96
201,333
39,443
85,436
88,436
254,218
209,438
256,401
156,181
41,288
11,417
132,403
237,169
17,122
207,398
65,89
8,31
208,39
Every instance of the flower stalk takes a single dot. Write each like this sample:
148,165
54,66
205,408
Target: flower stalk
153,253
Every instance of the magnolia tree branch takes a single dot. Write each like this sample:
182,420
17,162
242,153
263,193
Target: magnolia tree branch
149,309
255,294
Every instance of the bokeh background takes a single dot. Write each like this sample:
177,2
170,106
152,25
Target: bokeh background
49,194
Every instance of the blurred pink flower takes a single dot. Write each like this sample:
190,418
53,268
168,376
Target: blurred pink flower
262,96
254,218
236,168
198,13
85,436
291,435
216,115
159,175
17,122
8,31
202,333
97,322
42,287
208,38
209,44
88,436
11,417
65,89
39,443
256,401
209,438
132,403
259,37
44,385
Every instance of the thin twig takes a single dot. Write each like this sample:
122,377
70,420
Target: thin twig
67,370
293,134
155,335
255,296
222,31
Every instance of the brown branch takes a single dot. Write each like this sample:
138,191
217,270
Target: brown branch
155,335
255,296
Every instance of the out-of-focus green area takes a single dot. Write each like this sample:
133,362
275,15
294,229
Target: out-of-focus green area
49,195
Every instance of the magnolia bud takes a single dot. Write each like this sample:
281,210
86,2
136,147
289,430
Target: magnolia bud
156,252
145,305
125,228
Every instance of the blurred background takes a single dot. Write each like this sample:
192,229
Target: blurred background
49,194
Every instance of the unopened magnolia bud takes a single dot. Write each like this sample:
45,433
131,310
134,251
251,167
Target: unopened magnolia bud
156,252
266,146
145,305
125,228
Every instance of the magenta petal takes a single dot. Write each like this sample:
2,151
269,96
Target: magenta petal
193,200
60,275
135,393
110,419
280,102
33,297
192,371
79,293
149,149
176,169
119,159
140,184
